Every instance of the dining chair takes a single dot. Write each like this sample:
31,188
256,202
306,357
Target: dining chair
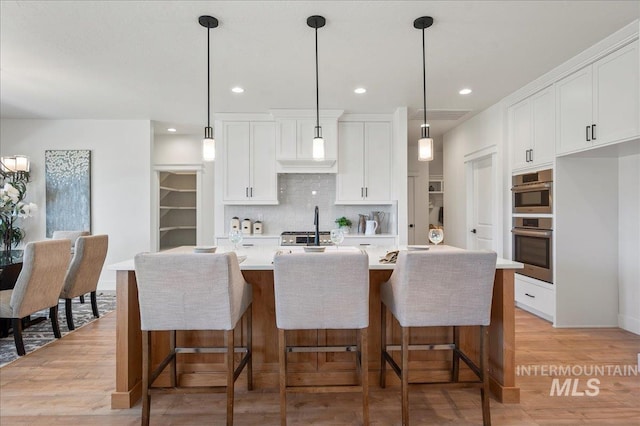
435,289
84,272
192,291
44,266
322,291
73,236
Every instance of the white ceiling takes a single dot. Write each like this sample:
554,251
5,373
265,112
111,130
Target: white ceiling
147,59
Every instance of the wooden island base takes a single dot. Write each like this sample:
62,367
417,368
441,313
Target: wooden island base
308,368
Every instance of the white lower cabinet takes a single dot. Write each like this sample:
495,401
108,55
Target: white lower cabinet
370,240
535,296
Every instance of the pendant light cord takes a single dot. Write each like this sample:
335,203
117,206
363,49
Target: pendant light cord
424,85
317,88
208,79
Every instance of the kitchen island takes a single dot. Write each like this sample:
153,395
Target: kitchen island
336,368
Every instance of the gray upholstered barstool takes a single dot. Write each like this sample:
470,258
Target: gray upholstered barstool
192,292
322,291
84,272
441,288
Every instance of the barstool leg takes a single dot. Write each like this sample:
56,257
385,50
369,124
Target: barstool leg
282,358
484,369
172,347
364,371
146,367
383,345
228,337
455,366
405,376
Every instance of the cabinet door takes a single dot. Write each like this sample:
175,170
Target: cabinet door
520,132
349,181
377,161
264,183
615,90
543,132
574,111
236,158
286,139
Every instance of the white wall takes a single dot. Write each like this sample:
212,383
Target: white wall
120,177
186,150
629,238
475,134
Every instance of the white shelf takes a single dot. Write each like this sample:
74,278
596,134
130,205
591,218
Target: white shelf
168,188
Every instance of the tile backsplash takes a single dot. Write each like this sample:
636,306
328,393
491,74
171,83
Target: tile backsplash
298,196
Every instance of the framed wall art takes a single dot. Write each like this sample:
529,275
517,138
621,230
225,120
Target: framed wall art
68,190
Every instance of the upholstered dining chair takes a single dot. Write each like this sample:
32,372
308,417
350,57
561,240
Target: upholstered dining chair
73,236
192,291
322,291
44,266
84,272
435,289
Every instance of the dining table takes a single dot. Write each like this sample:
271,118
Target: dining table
256,265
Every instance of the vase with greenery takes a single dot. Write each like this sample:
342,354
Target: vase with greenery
344,224
13,208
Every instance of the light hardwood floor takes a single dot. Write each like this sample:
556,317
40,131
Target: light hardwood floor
70,382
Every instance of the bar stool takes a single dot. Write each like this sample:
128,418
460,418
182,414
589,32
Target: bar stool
192,292
322,291
441,288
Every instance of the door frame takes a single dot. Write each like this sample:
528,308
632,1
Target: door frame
496,192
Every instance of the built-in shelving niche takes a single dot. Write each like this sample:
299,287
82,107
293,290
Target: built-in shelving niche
177,196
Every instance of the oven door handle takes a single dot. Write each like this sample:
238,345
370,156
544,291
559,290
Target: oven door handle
532,233
531,187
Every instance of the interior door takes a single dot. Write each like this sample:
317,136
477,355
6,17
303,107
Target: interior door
411,236
482,208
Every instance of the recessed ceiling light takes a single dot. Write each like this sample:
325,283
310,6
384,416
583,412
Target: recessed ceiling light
171,129
360,90
465,91
237,89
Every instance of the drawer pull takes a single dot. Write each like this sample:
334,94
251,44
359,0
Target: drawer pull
530,295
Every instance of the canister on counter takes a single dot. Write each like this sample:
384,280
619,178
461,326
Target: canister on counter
257,227
246,226
235,223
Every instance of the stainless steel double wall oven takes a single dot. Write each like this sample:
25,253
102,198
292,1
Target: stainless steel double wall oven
533,235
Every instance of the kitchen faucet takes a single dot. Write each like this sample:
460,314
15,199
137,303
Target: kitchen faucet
316,222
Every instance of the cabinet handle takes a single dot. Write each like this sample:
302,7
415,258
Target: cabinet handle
361,191
529,295
593,132
531,155
588,140
246,192
526,156
366,191
251,191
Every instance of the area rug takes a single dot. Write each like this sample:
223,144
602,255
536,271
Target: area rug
40,334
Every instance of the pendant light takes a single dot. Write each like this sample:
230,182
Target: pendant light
316,22
208,142
425,144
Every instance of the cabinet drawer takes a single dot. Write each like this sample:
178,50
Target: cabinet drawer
535,298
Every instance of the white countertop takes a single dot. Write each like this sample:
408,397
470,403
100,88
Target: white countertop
261,257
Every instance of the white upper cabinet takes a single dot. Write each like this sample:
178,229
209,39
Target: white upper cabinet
294,141
599,104
248,159
532,131
365,160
